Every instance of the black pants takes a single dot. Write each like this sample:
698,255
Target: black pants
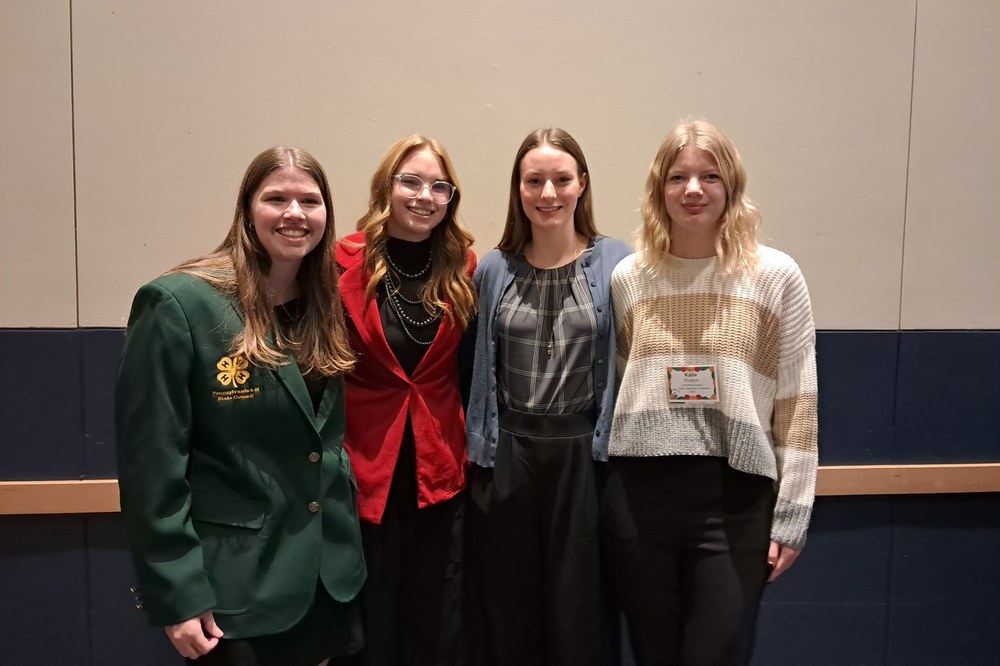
687,540
329,629
414,588
534,552
245,654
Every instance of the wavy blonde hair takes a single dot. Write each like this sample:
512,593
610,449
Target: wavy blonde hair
240,266
517,230
736,241
449,290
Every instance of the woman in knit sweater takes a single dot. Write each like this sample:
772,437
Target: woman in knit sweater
713,445
408,294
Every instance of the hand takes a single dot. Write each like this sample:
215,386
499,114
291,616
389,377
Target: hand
779,558
195,637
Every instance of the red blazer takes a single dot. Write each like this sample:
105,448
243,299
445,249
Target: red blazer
380,397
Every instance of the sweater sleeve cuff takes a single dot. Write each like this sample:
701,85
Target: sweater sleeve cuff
790,524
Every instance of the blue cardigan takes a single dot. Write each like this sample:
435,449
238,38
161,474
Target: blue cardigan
492,277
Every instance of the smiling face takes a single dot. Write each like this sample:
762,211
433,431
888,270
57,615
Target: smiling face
289,216
414,218
694,195
550,186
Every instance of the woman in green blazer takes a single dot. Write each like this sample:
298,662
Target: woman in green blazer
236,491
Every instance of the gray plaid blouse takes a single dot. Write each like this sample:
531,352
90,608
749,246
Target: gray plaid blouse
546,330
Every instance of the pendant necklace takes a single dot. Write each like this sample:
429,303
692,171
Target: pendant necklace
556,307
549,309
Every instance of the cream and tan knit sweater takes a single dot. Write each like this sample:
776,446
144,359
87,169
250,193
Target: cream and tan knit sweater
757,327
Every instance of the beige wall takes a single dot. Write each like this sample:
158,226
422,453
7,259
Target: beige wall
951,273
868,129
38,277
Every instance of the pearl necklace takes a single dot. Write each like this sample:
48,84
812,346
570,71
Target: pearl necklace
405,319
392,264
393,285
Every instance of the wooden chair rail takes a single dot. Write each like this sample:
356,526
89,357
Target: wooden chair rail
101,495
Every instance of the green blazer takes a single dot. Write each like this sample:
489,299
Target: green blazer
238,497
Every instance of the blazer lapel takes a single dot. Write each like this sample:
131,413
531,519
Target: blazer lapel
292,379
367,321
330,395
444,330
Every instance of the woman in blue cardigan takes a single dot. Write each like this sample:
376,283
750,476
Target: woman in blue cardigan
539,413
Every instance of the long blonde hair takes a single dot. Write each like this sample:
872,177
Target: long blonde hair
240,266
449,290
736,241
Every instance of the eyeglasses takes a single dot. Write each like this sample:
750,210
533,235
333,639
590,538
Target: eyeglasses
412,186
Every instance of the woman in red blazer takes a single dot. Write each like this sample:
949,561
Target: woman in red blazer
408,295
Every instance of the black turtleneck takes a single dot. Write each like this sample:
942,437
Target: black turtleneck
409,258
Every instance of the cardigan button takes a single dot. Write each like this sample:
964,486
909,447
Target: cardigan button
313,507
314,457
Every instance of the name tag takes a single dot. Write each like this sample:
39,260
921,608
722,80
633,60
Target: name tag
693,384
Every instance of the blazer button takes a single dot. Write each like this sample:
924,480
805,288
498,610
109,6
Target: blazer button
314,457
313,507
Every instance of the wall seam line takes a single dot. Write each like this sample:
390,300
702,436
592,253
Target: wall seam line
894,503
72,131
909,149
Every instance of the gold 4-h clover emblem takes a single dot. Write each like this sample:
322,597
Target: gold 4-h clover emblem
233,371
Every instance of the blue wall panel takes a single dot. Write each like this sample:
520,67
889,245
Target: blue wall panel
840,583
948,403
101,349
121,633
945,568
40,411
43,591
820,635
846,558
857,387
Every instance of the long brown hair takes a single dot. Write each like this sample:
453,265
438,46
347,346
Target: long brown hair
240,267
517,230
449,281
